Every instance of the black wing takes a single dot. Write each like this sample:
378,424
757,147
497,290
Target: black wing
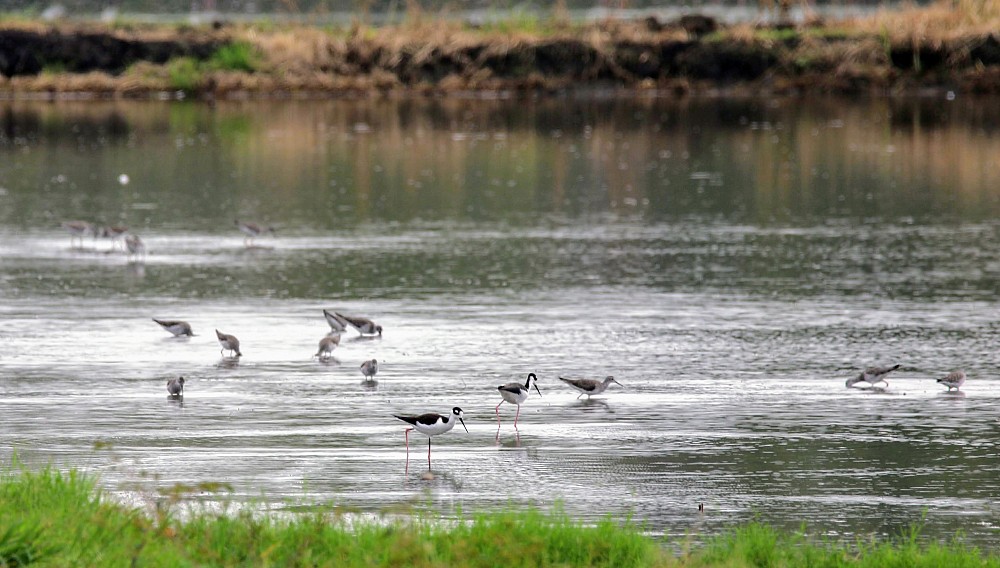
426,419
514,388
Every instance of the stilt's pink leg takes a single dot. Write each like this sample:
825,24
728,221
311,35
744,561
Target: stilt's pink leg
516,415
406,433
497,409
428,453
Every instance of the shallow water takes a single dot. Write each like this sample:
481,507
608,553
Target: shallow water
731,263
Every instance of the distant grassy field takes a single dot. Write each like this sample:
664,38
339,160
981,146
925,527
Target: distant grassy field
948,46
48,518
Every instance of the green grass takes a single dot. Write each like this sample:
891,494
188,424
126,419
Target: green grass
236,56
187,73
48,518
184,73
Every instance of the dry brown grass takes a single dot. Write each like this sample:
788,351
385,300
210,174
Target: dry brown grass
940,22
424,55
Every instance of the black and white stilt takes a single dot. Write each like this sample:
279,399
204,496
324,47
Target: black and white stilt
516,393
430,425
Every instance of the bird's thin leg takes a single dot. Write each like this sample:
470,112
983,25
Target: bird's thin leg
428,453
497,410
406,434
581,394
516,415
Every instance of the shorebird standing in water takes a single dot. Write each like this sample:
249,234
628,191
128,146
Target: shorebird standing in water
954,380
430,424
872,376
337,323
327,345
78,230
369,369
176,387
134,247
228,343
113,232
590,387
516,393
176,327
251,230
364,326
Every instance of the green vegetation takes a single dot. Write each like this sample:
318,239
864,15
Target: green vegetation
184,73
54,68
188,74
49,518
236,56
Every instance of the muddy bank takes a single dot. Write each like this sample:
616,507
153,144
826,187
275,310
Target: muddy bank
26,52
691,55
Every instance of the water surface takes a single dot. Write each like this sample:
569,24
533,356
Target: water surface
730,262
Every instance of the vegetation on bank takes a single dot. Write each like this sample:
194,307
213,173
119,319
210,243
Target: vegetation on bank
48,518
946,46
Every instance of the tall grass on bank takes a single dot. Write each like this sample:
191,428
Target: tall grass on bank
188,74
66,521
48,518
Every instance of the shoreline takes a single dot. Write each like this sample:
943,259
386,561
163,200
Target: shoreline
918,52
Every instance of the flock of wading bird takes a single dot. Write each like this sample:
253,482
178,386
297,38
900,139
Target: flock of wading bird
133,246
430,424
876,375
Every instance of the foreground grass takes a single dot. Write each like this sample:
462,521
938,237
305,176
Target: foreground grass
48,518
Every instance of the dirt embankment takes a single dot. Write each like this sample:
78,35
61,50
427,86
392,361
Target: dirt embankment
693,54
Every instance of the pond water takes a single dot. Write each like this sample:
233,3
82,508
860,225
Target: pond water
730,262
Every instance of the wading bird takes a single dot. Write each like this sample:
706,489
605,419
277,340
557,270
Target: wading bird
134,247
327,345
364,326
369,369
78,230
872,376
176,327
954,380
430,424
337,323
113,232
590,387
228,343
516,393
176,387
251,230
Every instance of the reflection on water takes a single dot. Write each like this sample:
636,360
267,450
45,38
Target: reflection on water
340,164
731,263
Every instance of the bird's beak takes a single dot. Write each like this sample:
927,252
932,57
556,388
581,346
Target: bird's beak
536,389
463,424
617,383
